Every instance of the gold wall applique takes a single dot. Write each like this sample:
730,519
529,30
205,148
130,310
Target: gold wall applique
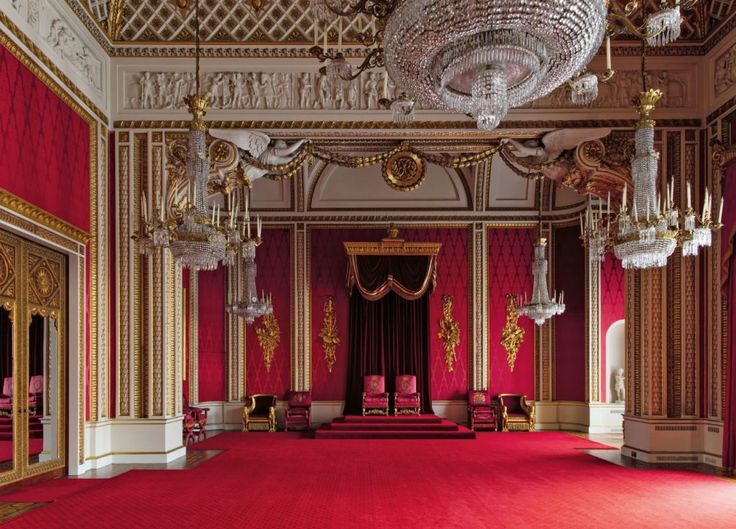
449,333
269,337
328,333
512,334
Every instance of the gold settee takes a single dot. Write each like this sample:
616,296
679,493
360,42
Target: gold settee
260,413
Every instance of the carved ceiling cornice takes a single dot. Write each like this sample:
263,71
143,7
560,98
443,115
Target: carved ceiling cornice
285,29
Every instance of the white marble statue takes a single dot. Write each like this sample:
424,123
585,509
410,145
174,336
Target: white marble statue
619,385
260,146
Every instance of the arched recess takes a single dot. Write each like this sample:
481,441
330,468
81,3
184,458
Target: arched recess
363,188
615,337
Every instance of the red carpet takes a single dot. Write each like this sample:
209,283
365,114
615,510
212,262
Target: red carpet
280,480
392,427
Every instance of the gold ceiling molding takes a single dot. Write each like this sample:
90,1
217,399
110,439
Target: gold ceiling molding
269,337
404,170
512,335
328,333
392,245
29,63
445,126
449,332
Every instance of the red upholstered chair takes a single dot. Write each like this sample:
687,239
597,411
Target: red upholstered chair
6,399
407,399
375,398
35,393
299,410
481,411
190,427
516,413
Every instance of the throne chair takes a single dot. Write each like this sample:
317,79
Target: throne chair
6,399
375,398
35,394
406,397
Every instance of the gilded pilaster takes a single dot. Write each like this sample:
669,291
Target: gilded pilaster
236,329
301,375
99,284
478,277
593,330
193,330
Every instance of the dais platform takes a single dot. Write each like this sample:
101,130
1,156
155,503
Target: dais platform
425,426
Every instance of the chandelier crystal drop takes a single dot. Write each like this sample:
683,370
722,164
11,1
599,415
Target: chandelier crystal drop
541,307
339,69
664,27
485,57
402,109
584,89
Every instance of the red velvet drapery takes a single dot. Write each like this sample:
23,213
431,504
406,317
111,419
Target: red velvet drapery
388,337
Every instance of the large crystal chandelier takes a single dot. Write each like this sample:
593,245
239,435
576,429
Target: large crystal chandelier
484,57
541,306
647,234
197,237
250,306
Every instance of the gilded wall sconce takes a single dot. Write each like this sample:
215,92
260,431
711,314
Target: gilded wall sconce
330,339
269,337
512,334
449,332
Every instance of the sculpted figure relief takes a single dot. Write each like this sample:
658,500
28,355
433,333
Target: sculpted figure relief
619,385
258,145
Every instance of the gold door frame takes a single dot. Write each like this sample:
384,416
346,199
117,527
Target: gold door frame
39,287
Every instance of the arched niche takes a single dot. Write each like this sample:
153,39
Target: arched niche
615,337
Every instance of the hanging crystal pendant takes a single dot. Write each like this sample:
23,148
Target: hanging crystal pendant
541,307
584,89
664,27
402,109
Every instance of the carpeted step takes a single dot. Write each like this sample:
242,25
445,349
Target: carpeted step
393,426
460,433
393,419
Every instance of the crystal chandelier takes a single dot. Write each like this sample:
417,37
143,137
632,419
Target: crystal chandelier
485,57
250,307
647,235
197,238
541,307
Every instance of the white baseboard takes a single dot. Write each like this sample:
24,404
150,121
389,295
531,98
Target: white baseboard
574,416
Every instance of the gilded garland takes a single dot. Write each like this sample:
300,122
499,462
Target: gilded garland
269,337
449,332
328,334
512,334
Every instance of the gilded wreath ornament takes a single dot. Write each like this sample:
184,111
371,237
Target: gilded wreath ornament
269,337
512,335
328,333
449,333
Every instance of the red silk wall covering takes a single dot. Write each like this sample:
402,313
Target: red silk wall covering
510,253
274,262
44,146
327,275
569,330
186,285
613,307
212,356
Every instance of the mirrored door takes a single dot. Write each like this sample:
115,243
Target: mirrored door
43,361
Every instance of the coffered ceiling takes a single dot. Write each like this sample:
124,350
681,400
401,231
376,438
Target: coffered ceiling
291,22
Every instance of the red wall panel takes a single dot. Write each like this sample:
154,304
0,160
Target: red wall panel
509,272
44,146
328,269
613,306
212,357
569,259
273,259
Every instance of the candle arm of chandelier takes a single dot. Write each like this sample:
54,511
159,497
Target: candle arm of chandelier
375,59
619,20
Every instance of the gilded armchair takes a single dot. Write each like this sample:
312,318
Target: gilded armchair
516,413
260,411
481,411
375,398
6,399
407,399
